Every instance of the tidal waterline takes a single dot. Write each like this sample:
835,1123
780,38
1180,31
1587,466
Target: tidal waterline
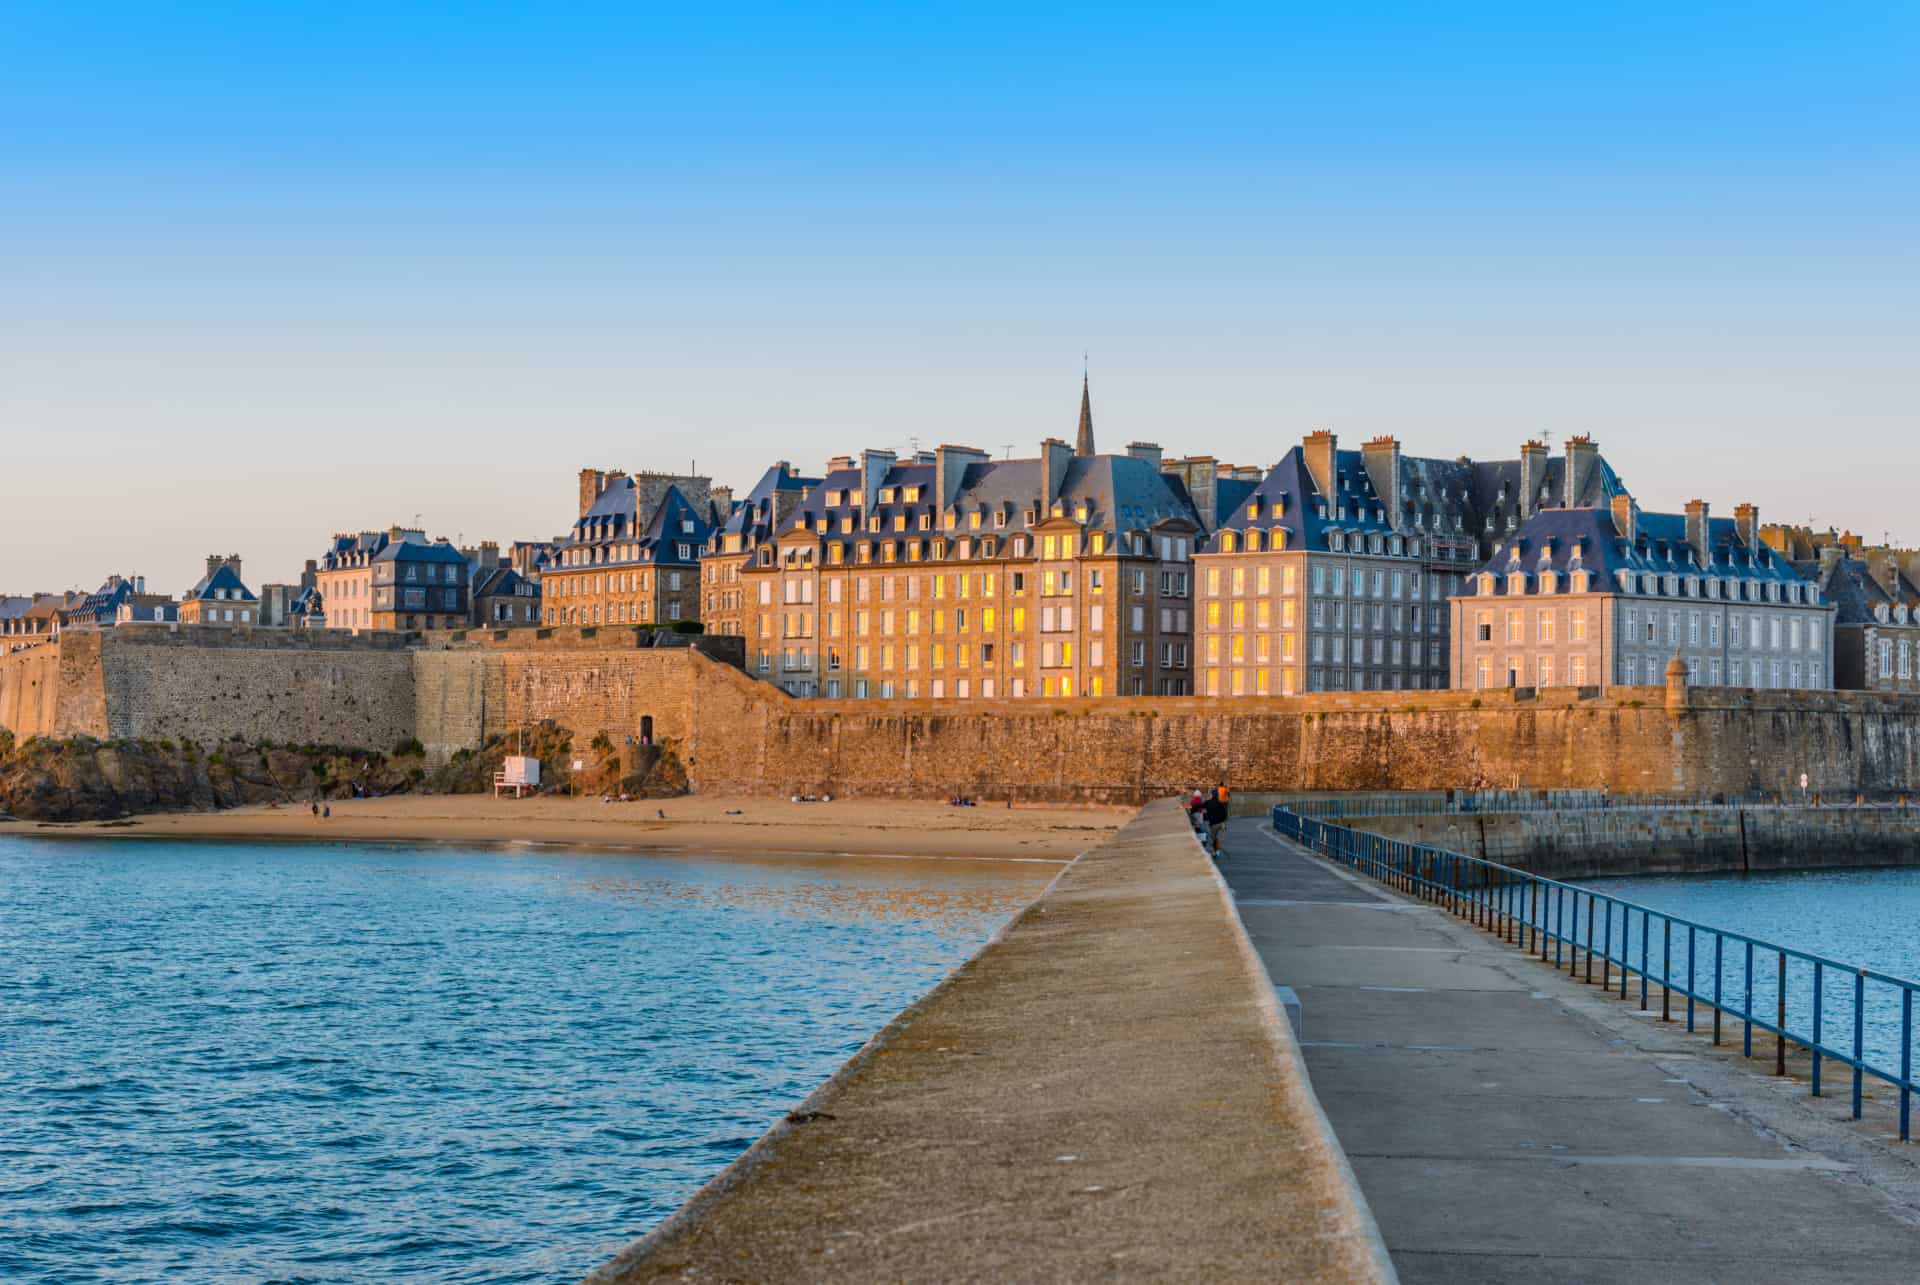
331,1062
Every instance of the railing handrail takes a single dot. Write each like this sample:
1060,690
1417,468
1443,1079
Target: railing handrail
1487,892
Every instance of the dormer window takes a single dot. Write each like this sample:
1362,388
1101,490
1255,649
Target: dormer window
1517,582
1336,540
1693,586
1226,542
912,494
1279,510
886,495
1253,510
1486,583
1549,583
1881,614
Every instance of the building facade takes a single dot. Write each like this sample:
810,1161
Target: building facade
632,559
1333,574
418,584
1596,597
738,535
220,597
950,575
505,599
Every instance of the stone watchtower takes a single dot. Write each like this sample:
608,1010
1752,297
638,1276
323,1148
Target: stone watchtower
1676,685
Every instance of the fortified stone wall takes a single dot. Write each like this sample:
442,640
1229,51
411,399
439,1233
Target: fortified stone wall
736,734
1632,841
208,684
54,689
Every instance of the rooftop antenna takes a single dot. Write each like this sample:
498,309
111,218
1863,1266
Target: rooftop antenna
1007,451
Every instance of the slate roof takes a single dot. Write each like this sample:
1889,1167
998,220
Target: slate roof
12,607
502,582
223,578
1564,540
753,517
608,529
1121,494
1850,585
419,551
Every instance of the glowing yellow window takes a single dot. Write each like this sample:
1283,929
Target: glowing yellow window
1239,580
1213,649
1095,686
1266,579
1019,619
986,619
1239,614
1239,647
1213,614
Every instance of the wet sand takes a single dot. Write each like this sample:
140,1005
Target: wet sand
705,824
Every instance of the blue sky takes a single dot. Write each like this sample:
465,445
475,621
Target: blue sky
268,272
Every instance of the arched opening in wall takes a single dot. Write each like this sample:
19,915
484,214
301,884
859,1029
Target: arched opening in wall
646,729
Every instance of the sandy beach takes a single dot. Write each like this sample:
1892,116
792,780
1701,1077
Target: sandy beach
712,825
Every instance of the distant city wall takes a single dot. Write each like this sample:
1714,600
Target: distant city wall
737,734
1625,840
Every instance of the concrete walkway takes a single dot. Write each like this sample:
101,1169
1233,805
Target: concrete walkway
1504,1128
1107,1091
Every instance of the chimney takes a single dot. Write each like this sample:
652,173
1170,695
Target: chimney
1583,461
1746,520
140,582
1697,528
213,564
1382,459
950,470
233,560
1148,451
1533,476
1200,473
1626,516
722,496
839,462
1319,449
1056,457
874,466
592,482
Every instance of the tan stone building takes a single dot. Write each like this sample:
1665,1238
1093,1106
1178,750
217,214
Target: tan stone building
738,535
1334,573
954,576
1594,597
633,557
220,597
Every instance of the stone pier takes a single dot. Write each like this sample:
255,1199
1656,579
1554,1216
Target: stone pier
1107,1090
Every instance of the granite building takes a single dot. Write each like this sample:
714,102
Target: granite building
737,535
1593,597
633,557
220,597
1333,574
949,574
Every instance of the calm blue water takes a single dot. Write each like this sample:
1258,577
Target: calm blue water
235,1062
1863,918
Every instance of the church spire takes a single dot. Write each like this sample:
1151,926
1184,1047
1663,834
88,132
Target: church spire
1083,440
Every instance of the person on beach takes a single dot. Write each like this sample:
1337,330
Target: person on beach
316,810
1215,812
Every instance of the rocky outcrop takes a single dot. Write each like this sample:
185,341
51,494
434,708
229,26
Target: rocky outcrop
84,779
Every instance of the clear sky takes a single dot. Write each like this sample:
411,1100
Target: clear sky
272,271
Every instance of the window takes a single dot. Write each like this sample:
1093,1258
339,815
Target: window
1483,629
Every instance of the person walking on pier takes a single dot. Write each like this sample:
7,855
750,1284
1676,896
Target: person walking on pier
1215,812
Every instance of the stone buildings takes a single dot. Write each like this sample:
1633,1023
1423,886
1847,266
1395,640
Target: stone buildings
1875,592
392,579
633,557
952,575
505,599
1598,596
220,597
735,539
1333,574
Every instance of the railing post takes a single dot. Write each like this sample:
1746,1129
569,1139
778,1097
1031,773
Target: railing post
1818,970
1780,1038
1666,970
1906,1058
1690,978
1746,1009
1590,900
1646,930
1859,1034
1719,943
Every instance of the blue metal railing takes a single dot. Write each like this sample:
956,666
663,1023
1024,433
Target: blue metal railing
1466,802
1793,995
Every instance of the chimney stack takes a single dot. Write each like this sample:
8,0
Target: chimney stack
213,564
950,470
874,467
1697,528
1533,476
1055,458
1148,451
1382,459
1746,521
1626,516
233,560
1319,449
1583,458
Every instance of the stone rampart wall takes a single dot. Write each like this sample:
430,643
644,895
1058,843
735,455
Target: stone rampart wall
209,684
1633,841
736,734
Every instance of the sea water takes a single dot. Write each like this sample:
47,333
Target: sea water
347,1062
